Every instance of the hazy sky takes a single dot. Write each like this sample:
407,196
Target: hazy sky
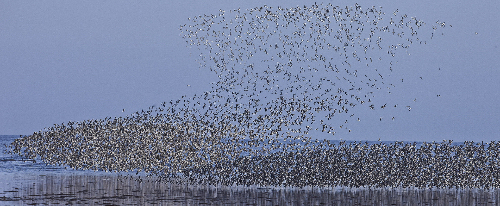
77,60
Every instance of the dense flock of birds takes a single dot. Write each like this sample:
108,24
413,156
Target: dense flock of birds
285,76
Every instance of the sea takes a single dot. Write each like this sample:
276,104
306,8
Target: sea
26,182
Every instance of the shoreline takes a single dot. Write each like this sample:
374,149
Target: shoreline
120,190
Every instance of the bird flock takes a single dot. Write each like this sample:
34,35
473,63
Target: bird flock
285,77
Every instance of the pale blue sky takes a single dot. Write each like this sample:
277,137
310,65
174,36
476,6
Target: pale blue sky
77,60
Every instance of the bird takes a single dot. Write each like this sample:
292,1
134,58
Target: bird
282,72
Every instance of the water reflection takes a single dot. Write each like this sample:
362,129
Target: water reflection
124,190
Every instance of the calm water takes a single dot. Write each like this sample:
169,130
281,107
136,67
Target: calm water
23,183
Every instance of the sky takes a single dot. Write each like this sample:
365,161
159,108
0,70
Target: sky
66,61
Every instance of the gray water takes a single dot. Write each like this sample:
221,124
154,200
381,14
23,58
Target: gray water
28,182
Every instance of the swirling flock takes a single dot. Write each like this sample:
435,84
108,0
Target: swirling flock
285,76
